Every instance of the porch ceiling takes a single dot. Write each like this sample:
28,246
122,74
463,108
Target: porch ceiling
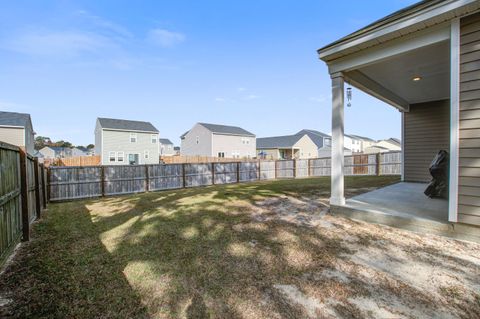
430,63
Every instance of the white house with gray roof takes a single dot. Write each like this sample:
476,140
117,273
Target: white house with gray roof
17,129
166,147
125,142
218,141
295,146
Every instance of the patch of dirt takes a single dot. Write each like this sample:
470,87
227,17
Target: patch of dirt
382,272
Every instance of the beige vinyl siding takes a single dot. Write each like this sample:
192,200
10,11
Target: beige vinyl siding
13,135
469,144
426,131
307,148
189,146
230,144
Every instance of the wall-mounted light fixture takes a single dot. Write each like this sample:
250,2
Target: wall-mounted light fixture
416,78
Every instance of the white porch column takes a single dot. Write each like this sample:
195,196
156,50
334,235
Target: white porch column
337,185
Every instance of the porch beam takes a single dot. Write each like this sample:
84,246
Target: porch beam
337,159
389,49
454,119
366,84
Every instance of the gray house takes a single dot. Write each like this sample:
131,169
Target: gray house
17,129
56,152
295,146
218,141
124,142
166,147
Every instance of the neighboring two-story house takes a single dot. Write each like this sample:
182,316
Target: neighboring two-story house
295,146
357,143
322,140
124,142
17,129
166,147
218,141
56,152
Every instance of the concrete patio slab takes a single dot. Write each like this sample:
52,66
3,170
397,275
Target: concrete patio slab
404,205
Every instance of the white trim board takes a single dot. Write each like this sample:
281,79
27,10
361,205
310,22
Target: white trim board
454,119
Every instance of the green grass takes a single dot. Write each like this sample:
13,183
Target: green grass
184,253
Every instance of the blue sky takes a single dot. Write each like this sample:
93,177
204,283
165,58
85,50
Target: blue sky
250,63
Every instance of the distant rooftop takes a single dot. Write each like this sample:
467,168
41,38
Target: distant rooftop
165,141
224,129
127,125
14,119
358,137
285,141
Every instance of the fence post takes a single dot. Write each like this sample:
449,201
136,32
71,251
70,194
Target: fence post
24,195
378,167
44,188
294,168
49,187
309,167
37,188
102,179
275,170
213,173
238,172
147,182
259,170
184,176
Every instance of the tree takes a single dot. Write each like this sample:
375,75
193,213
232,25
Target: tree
90,146
42,141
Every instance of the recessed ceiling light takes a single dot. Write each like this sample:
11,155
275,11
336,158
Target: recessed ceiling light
416,79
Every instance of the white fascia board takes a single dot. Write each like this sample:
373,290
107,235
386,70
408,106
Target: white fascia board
415,18
391,48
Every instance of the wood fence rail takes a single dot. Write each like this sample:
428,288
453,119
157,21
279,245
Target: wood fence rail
23,196
67,183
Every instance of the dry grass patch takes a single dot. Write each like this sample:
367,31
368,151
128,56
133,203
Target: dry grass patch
260,250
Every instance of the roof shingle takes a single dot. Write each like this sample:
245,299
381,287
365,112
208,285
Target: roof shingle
127,125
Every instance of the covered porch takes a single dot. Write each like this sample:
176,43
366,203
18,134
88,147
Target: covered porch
412,63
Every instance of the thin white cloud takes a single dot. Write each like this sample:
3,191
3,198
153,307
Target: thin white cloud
58,43
241,89
104,24
165,38
251,97
220,99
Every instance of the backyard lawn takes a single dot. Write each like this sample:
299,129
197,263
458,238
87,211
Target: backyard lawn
258,250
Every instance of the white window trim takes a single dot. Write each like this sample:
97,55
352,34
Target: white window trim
110,157
122,157
154,138
133,135
146,154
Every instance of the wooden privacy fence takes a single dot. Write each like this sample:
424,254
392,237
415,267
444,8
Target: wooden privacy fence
66,183
22,196
94,160
180,159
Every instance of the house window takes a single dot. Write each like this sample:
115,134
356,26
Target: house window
111,157
133,137
146,154
245,140
120,156
221,154
197,140
154,139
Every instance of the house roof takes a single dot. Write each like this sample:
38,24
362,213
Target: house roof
226,129
384,21
410,19
394,141
316,136
165,141
358,137
126,125
14,119
223,129
285,141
